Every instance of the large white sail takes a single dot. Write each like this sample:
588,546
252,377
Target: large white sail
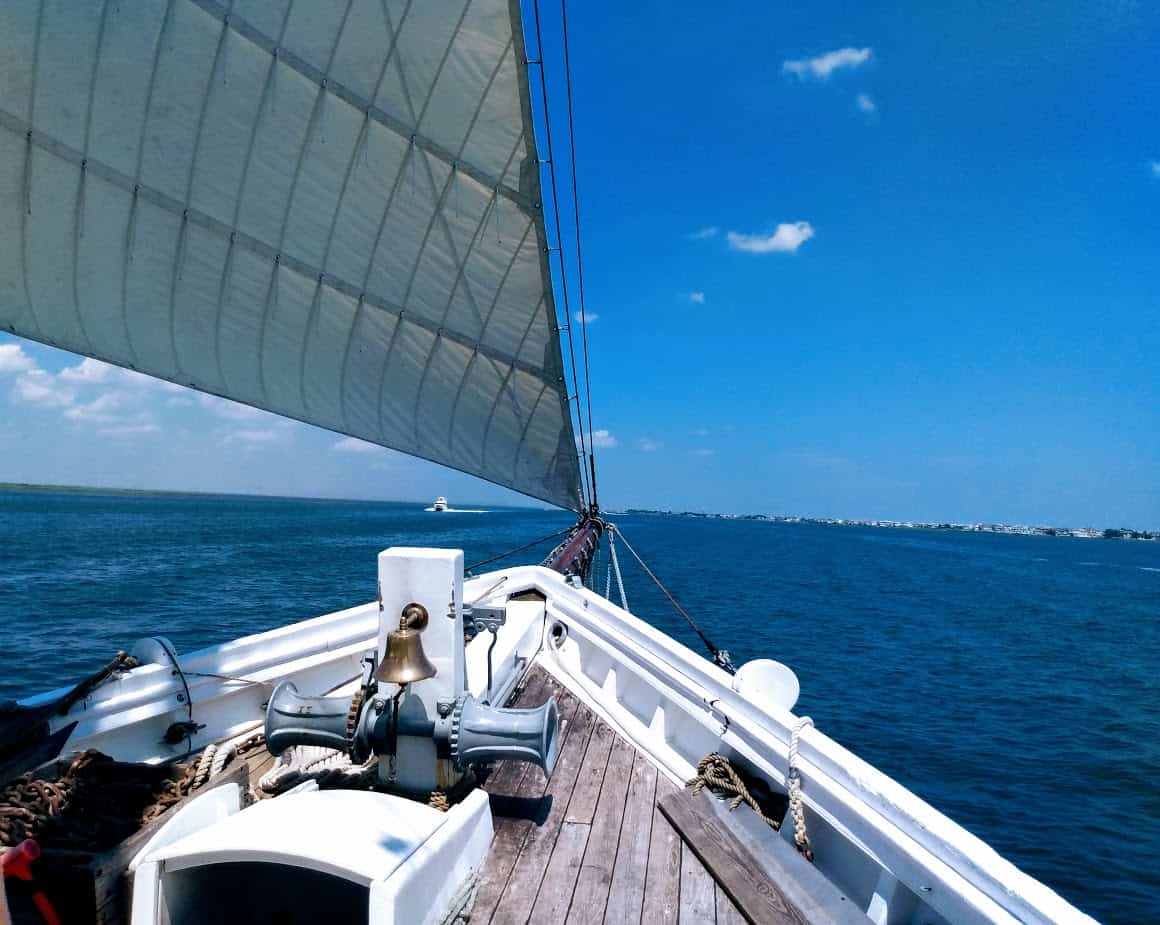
329,209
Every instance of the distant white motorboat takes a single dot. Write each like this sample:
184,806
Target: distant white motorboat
440,504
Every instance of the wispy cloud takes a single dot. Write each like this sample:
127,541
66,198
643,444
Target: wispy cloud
1156,168
701,432
228,410
129,430
354,445
95,372
697,298
649,445
37,387
586,318
254,437
824,65
112,400
704,451
13,359
786,239
866,103
704,234
602,439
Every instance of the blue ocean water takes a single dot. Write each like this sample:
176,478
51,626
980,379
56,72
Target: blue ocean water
1011,681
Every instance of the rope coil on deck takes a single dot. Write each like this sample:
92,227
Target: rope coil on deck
718,774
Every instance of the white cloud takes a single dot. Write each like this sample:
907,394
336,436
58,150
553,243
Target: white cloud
586,318
95,372
602,439
40,388
101,410
254,437
354,445
229,410
13,359
704,234
866,103
788,237
129,430
88,370
697,298
649,445
823,66
82,393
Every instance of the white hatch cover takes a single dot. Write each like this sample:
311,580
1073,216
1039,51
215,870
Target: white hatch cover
359,836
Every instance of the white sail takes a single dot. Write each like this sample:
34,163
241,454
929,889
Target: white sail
329,209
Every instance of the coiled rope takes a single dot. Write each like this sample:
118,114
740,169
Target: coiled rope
716,772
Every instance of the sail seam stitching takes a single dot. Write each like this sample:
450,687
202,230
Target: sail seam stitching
254,245
79,217
393,32
179,256
26,205
255,126
348,96
475,354
460,276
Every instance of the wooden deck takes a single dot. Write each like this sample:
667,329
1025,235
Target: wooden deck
588,844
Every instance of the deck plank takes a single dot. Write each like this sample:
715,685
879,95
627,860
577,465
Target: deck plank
556,891
728,860
511,831
590,896
582,806
515,905
626,893
662,888
698,897
727,913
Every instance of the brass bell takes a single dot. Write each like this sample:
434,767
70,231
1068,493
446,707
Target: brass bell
405,661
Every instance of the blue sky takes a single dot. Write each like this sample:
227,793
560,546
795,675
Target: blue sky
849,262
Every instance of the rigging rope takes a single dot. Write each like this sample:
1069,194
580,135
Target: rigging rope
718,774
589,496
720,656
512,552
579,252
616,566
793,785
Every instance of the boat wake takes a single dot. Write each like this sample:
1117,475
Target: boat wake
455,510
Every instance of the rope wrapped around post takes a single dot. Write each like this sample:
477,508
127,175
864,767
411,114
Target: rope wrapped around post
793,785
718,774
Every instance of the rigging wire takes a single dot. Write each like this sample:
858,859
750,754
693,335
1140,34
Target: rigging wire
587,489
579,254
720,656
512,552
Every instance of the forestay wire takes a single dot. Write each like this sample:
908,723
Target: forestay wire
720,656
586,448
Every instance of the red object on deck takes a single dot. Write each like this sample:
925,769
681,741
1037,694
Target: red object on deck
17,862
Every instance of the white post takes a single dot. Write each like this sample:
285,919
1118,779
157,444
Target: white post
433,578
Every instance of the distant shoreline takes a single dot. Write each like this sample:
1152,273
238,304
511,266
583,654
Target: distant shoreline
190,493
1008,529
1109,533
